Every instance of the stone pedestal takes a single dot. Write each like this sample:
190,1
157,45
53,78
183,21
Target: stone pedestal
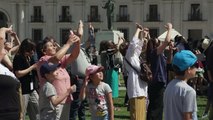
107,35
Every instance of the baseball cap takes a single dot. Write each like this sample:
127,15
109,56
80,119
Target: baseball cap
184,59
93,69
206,43
47,68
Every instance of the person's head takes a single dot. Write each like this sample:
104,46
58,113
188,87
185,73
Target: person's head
185,63
48,46
27,47
49,71
152,44
94,73
123,48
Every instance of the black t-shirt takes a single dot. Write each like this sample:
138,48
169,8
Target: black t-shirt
9,98
28,82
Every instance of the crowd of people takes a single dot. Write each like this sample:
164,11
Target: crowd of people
55,82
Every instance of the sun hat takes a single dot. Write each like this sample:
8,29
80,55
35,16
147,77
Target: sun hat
206,43
47,68
93,69
184,59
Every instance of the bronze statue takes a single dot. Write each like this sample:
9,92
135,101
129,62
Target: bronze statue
109,6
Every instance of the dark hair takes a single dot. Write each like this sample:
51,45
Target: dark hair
27,45
177,70
151,45
39,48
105,45
46,40
123,48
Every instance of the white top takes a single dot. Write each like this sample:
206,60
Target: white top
5,71
135,86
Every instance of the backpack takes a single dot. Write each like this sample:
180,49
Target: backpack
145,74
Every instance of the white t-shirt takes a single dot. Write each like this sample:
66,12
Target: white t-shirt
135,86
5,71
179,98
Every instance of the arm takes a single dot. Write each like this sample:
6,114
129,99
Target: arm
82,95
57,57
55,100
138,31
17,42
7,62
187,116
21,73
3,31
162,47
111,106
76,50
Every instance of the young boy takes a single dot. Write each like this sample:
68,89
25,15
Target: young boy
98,93
48,96
179,98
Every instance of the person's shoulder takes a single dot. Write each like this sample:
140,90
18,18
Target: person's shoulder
45,58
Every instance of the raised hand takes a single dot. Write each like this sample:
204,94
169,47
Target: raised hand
168,26
139,26
73,38
80,28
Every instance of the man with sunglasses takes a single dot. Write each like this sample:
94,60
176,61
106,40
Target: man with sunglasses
180,98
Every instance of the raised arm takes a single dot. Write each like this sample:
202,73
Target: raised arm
162,47
58,56
17,43
83,92
77,46
3,31
55,100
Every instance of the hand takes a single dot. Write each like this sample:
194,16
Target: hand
73,38
7,30
86,80
168,26
139,26
34,66
71,89
80,28
13,34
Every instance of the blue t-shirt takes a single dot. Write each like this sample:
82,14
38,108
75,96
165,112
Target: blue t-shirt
158,66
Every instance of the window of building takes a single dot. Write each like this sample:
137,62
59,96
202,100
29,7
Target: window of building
37,16
37,35
65,14
153,13
64,35
94,17
154,32
195,12
123,13
125,31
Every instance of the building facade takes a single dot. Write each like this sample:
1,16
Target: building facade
39,18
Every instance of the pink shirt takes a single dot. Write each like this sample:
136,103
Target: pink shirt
63,79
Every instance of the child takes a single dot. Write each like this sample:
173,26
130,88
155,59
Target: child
49,109
98,93
180,98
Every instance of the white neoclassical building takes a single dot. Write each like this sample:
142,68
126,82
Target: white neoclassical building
39,18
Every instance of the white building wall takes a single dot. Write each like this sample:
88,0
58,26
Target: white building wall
19,14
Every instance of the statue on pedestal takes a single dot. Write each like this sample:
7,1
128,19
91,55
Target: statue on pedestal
109,6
